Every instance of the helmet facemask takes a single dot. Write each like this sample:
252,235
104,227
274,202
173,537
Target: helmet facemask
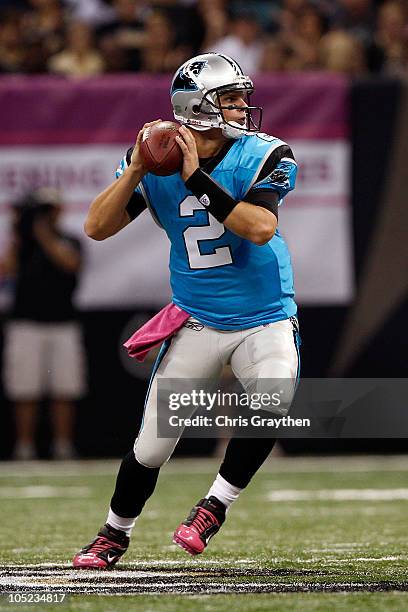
213,107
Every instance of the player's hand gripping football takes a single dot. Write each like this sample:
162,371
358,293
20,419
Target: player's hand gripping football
136,161
188,146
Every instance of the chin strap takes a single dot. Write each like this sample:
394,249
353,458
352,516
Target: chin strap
198,128
229,131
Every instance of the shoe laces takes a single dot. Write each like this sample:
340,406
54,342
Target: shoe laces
99,545
202,520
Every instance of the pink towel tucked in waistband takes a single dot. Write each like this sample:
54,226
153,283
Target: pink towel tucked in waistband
155,331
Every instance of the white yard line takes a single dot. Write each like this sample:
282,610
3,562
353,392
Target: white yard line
370,559
133,566
26,469
289,495
182,586
43,491
326,560
277,465
163,567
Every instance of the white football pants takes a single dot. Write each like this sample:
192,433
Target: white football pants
199,352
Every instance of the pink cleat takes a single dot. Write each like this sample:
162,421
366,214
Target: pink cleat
204,520
104,551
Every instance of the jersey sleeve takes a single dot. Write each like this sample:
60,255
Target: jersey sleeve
137,203
268,199
277,174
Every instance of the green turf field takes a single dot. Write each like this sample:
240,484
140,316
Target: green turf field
310,534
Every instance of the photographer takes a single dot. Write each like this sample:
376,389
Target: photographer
43,355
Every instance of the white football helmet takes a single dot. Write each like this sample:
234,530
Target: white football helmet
196,89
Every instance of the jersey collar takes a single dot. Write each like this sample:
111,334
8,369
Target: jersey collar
208,164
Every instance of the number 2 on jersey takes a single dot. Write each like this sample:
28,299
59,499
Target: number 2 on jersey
193,234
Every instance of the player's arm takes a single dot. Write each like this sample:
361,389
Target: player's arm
107,214
112,209
254,223
275,179
255,219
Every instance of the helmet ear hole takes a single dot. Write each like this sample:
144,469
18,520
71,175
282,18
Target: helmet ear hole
196,109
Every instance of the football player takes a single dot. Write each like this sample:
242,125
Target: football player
230,272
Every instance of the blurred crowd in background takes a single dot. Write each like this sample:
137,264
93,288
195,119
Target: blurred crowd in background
81,38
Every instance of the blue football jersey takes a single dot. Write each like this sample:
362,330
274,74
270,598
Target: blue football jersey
225,281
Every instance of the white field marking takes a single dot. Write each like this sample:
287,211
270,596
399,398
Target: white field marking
84,577
339,495
323,511
183,586
28,566
43,491
371,559
374,463
151,514
186,567
84,587
132,565
25,469
60,575
331,549
333,561
149,585
346,545
353,559
356,463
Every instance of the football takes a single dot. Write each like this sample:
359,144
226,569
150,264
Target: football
159,150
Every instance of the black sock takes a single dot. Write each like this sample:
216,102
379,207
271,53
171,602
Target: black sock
243,458
134,485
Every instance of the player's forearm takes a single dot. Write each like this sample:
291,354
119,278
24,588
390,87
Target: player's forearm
251,222
107,214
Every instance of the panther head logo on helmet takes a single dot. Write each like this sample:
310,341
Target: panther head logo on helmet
196,89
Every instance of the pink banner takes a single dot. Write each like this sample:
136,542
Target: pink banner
71,135
110,109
